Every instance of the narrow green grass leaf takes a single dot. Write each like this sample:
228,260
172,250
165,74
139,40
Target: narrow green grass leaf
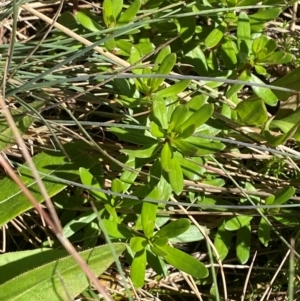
50,281
12,200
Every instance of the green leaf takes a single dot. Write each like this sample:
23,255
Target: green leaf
156,130
244,39
146,151
228,50
160,241
15,263
138,268
243,242
247,112
165,68
278,57
174,229
179,115
191,235
22,120
12,200
174,89
166,157
184,262
164,52
222,241
116,230
159,110
130,12
187,26
284,195
215,36
185,147
199,117
132,136
264,230
137,244
87,22
148,215
259,44
261,18
238,222
191,168
50,281
107,12
176,176
79,222
117,6
89,180
265,94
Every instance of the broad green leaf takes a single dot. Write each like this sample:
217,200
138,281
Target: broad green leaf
156,130
244,39
186,27
215,36
148,214
222,241
176,176
138,268
179,115
117,6
278,57
146,151
184,262
288,219
159,110
130,12
16,263
259,44
281,139
174,228
261,18
191,168
160,241
265,94
166,157
197,59
260,70
238,222
228,50
185,147
107,12
49,282
164,52
199,117
284,195
22,120
244,76
132,136
247,111
191,235
12,200
187,132
137,244
79,222
197,102
157,264
165,67
264,230
174,89
116,230
89,180
243,242
87,22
